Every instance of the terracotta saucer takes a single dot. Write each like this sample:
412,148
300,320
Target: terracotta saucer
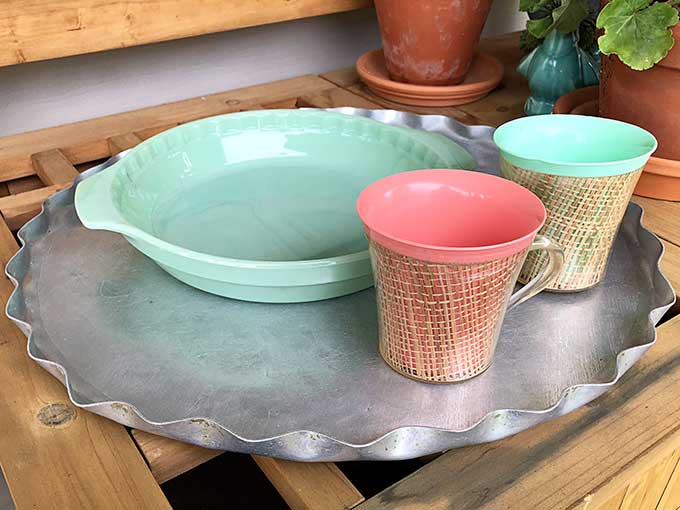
485,74
660,178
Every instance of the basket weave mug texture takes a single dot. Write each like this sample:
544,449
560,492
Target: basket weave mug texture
446,248
439,322
584,214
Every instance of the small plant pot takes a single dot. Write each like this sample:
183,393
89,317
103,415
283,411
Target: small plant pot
430,42
660,178
649,99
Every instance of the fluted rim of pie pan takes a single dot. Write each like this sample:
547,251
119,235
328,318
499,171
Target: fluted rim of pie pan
438,149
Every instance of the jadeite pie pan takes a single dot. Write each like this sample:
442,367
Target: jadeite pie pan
259,205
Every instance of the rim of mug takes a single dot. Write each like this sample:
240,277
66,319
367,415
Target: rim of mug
575,168
443,253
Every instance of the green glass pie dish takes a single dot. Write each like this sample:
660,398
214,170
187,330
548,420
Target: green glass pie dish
259,206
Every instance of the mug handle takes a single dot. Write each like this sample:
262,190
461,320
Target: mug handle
547,274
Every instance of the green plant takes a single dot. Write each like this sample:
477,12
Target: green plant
638,31
565,16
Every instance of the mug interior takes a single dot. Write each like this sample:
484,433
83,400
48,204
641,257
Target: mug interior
450,209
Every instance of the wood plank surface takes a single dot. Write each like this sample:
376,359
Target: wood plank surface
670,500
18,209
120,143
33,30
53,168
645,492
54,455
335,97
23,184
662,217
88,140
168,458
579,461
614,503
310,486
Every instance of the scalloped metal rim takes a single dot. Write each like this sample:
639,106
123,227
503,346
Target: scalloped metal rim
292,445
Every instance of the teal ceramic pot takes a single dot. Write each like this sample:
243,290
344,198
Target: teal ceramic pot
555,68
259,205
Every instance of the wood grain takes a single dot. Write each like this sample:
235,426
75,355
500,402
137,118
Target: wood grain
670,500
644,492
120,143
24,184
579,461
335,97
614,503
310,486
33,30
18,209
168,458
662,217
77,461
53,168
87,140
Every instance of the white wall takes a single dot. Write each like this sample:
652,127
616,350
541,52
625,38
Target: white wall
43,94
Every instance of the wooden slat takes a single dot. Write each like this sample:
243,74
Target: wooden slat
335,97
670,500
24,184
87,140
67,460
662,217
33,30
579,461
168,458
614,503
303,486
53,168
154,130
310,486
120,143
644,492
18,209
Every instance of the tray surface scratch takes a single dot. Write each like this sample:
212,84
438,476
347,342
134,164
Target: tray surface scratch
305,381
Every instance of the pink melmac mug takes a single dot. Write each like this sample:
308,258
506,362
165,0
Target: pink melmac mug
446,248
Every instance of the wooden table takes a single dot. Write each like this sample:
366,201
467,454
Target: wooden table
620,452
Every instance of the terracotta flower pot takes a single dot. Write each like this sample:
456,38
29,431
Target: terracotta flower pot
430,42
649,99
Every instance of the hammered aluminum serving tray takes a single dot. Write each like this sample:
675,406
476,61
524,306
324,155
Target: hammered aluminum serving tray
305,381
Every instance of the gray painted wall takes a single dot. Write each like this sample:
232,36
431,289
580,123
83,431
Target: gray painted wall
44,94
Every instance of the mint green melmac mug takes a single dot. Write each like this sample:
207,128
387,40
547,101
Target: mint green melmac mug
584,170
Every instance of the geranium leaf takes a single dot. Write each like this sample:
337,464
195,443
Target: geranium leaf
532,5
638,31
570,14
539,27
566,18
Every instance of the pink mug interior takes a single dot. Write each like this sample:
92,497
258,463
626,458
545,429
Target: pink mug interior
450,216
